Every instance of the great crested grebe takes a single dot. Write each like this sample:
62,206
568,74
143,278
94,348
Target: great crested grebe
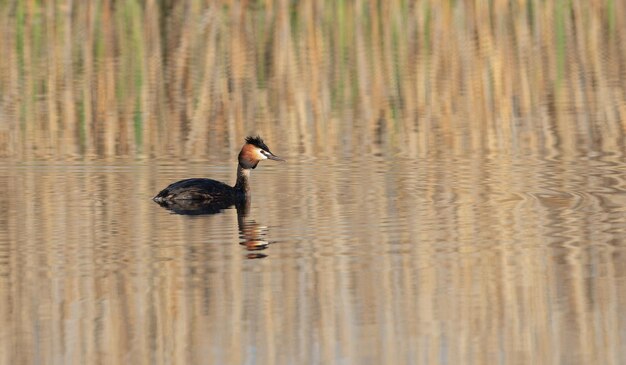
207,191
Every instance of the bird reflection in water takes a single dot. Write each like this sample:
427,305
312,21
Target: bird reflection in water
252,234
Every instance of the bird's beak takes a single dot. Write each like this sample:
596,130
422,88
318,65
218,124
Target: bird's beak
272,156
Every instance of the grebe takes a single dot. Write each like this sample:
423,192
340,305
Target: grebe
209,192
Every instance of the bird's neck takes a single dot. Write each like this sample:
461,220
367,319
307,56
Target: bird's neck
243,176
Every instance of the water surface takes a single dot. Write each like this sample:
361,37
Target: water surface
393,260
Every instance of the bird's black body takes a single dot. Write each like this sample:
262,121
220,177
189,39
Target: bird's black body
215,205
207,190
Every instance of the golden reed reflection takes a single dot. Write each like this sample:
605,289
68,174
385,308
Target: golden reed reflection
531,279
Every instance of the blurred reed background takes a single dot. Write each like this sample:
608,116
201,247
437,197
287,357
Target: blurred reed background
148,78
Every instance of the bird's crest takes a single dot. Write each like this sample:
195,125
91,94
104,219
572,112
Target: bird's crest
258,142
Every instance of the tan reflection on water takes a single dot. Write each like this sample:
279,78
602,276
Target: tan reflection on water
454,192
478,260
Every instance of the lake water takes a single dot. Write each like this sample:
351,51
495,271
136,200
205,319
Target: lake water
451,195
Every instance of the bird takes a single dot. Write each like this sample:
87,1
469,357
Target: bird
210,196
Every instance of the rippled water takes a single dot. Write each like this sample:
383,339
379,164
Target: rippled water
439,259
454,191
